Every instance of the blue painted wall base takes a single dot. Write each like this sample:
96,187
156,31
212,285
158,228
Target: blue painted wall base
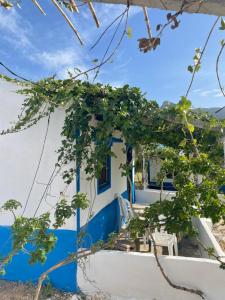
65,278
20,270
104,222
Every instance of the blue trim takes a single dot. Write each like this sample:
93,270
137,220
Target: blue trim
168,186
78,190
102,189
133,184
77,134
101,225
19,268
133,193
116,140
125,195
149,173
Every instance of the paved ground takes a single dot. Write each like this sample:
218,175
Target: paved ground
189,248
18,291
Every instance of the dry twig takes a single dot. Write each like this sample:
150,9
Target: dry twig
68,21
218,75
74,6
92,10
39,7
147,22
200,57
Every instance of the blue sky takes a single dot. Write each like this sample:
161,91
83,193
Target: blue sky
36,46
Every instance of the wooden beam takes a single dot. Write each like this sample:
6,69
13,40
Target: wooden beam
210,7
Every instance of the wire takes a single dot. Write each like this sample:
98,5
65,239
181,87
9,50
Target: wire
38,166
42,197
13,73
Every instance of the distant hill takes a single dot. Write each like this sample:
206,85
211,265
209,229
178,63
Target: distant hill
210,110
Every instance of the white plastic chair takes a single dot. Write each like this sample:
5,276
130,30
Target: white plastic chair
126,212
161,238
165,239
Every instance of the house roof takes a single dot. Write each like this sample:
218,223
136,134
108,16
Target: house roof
210,7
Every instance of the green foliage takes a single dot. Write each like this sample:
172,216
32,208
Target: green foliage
93,114
129,32
197,63
35,231
79,200
197,180
65,210
222,24
11,205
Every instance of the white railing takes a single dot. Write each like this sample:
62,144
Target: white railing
149,196
136,276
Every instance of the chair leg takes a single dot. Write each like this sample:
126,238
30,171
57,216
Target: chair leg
145,239
175,247
170,249
151,247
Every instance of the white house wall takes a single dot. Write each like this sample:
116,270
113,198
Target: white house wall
19,155
135,275
118,185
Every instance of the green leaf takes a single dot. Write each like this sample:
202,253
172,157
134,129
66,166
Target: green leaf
222,24
11,205
184,104
191,127
197,67
190,69
183,143
129,32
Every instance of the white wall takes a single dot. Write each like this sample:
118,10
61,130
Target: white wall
155,166
118,185
149,196
19,155
137,276
206,236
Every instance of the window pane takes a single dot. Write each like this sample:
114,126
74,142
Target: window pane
104,180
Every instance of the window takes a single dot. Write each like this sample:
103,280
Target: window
104,181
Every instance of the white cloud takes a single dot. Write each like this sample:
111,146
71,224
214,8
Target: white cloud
214,93
14,29
57,59
106,13
21,34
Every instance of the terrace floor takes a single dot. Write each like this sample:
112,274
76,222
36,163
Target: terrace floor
186,247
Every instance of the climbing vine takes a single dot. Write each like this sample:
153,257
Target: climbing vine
189,141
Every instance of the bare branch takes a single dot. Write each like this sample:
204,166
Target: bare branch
107,28
147,22
201,55
218,75
92,10
74,6
68,21
39,7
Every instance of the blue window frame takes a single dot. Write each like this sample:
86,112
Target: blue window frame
104,181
